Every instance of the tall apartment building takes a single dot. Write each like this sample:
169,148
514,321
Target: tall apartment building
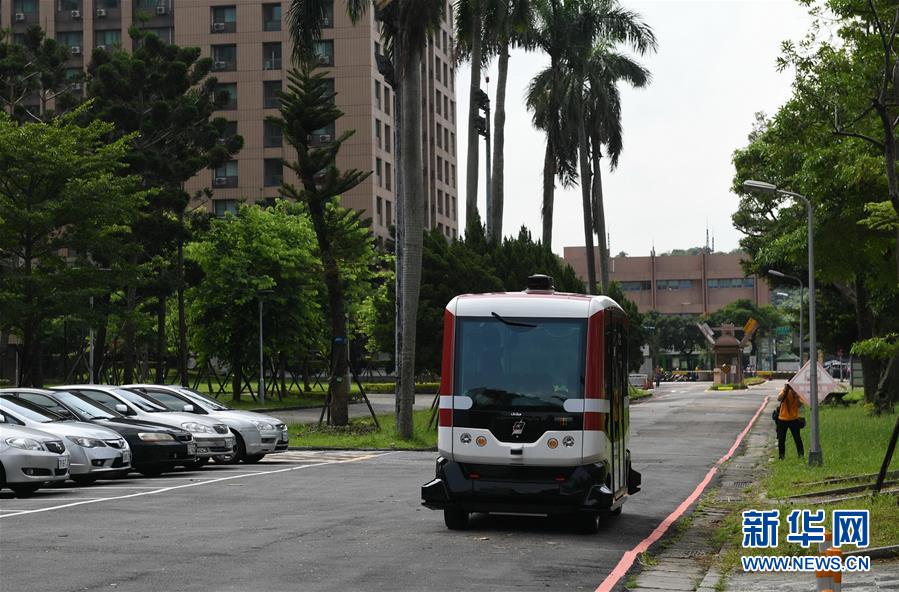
679,284
251,51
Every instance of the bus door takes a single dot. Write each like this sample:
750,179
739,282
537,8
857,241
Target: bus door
616,389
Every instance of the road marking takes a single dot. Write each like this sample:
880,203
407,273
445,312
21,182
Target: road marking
186,485
627,560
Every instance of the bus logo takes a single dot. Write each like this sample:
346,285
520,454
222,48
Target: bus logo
518,428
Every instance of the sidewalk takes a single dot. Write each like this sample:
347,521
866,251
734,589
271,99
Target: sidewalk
381,403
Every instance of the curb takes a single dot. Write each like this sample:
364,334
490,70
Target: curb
876,553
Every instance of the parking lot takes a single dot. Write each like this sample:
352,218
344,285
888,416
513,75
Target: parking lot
344,521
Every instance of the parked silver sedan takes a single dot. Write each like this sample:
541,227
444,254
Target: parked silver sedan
94,451
30,459
257,434
212,436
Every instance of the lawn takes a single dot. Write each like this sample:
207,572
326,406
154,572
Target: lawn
853,444
361,433
637,393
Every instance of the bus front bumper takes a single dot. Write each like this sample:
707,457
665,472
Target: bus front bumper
526,490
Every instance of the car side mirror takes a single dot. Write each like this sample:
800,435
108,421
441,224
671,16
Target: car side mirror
188,408
2,418
122,408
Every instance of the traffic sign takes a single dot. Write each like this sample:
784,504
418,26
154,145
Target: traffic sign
801,381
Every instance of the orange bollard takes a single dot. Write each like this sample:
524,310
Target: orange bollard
837,576
824,578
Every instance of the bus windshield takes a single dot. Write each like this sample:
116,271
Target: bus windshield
527,364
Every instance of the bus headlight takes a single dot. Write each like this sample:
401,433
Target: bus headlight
568,441
465,438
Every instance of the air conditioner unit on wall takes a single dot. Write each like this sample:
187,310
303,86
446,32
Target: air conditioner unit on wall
103,47
101,12
218,27
20,17
220,181
76,14
75,50
162,9
219,65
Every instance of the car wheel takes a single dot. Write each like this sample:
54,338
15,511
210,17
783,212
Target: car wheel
24,489
588,523
240,452
252,459
455,518
83,479
197,463
2,476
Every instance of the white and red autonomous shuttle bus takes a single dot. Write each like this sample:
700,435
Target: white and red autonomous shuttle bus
534,407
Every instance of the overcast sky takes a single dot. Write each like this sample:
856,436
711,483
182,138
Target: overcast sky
714,69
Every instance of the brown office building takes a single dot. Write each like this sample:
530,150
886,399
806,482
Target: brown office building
250,47
679,284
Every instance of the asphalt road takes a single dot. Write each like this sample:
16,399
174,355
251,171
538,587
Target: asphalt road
346,521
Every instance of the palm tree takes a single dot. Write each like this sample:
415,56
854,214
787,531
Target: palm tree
605,68
406,25
469,34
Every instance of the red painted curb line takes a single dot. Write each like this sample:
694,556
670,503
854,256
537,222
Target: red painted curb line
627,560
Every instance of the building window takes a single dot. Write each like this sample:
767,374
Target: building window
389,205
437,67
226,175
224,19
227,93
388,175
26,7
439,136
271,135
229,130
378,172
378,132
271,56
453,177
66,5
388,133
454,207
378,211
446,200
273,172
324,51
636,286
440,227
444,41
674,284
437,101
109,39
439,169
70,39
446,170
270,90
453,141
449,109
387,100
328,14
445,75
224,206
271,17
731,283
164,33
439,201
378,93
224,58
323,135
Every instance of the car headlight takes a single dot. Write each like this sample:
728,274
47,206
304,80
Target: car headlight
86,442
197,428
24,443
262,425
155,436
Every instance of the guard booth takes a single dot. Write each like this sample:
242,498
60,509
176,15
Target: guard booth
728,353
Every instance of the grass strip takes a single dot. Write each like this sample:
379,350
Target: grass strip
361,433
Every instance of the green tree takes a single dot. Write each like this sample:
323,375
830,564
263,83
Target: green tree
306,106
165,96
406,25
34,77
257,253
63,195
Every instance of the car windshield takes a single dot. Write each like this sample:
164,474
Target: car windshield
532,364
171,401
29,411
204,400
85,408
142,402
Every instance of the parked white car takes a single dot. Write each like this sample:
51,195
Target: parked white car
94,451
30,459
213,438
256,434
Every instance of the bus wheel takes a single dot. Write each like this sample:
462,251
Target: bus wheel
588,524
455,518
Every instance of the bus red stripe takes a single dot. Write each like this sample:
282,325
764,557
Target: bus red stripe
593,386
446,372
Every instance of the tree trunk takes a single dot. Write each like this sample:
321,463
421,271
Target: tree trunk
160,341
549,188
599,216
495,224
399,235
864,320
889,157
584,160
474,140
129,352
413,218
182,320
888,387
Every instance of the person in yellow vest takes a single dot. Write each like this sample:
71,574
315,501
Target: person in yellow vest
789,418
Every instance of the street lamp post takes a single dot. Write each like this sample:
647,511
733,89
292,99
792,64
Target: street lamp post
261,295
815,455
776,273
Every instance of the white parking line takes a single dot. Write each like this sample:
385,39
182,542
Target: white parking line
186,485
